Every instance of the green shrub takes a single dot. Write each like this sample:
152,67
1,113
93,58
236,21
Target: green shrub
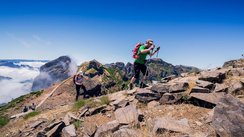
3,121
104,100
77,124
37,93
13,103
185,97
31,114
78,104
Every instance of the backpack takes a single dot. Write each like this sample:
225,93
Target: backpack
135,51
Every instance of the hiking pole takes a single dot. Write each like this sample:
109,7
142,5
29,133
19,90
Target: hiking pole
157,51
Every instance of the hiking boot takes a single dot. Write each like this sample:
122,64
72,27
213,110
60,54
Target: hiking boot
85,96
142,85
130,86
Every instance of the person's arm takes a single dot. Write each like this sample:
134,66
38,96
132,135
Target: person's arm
74,78
154,52
85,77
147,50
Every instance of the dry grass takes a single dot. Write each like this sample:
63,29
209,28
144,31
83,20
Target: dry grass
191,85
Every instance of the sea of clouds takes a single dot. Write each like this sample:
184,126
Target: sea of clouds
20,82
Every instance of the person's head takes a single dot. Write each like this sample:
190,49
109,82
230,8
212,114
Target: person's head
149,43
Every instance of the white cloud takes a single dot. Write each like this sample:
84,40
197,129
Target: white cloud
33,64
72,67
15,87
19,74
10,89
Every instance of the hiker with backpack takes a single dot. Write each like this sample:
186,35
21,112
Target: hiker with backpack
140,54
78,81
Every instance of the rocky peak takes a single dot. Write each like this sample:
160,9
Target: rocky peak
52,72
234,63
94,64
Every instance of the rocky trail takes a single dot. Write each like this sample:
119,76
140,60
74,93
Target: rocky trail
204,104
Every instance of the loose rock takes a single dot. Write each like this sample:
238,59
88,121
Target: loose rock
152,104
147,96
214,76
169,98
160,88
221,88
69,131
163,124
125,132
207,98
205,84
199,90
127,115
108,127
228,118
178,87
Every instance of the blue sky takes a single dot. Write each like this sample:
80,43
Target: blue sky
201,33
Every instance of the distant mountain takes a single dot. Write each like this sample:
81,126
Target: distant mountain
15,63
112,77
234,63
52,72
157,69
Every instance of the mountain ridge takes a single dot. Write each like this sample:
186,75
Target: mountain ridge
184,103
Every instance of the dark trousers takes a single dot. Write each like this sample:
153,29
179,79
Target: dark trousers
78,91
140,68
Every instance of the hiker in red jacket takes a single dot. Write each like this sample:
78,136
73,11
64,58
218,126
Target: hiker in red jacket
141,52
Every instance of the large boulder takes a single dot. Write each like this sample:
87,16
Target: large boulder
199,90
54,71
214,76
178,87
205,84
147,96
236,87
169,98
55,130
106,128
93,87
170,87
206,99
127,115
37,123
125,132
69,131
161,88
90,129
221,88
228,118
160,125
